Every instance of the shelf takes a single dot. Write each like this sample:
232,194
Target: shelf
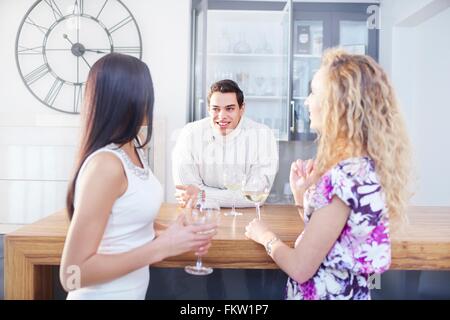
264,97
310,56
299,98
246,55
304,136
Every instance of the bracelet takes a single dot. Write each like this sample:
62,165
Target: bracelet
201,195
270,243
300,207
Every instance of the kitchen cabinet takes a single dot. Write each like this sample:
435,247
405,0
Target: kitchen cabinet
272,49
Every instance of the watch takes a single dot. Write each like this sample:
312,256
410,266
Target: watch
269,245
58,41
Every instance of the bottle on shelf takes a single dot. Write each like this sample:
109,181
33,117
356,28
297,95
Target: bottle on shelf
303,39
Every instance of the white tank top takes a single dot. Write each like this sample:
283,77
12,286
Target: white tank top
129,226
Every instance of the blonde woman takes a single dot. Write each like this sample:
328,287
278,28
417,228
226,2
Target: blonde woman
347,195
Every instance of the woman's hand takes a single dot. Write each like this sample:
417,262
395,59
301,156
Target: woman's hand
258,231
159,228
179,238
301,178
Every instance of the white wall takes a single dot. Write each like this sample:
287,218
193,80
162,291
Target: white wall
38,144
417,58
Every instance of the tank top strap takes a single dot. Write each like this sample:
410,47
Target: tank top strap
109,149
140,172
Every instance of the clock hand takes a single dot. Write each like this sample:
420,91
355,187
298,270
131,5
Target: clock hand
65,36
79,54
86,62
96,51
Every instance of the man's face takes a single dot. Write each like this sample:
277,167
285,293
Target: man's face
225,112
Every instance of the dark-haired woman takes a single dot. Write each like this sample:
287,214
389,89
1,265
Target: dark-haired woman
114,198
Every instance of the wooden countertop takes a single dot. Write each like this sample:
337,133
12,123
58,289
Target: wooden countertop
423,244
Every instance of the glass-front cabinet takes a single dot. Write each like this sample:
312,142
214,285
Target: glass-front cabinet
272,50
245,41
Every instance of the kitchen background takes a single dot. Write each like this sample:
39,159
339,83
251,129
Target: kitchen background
38,143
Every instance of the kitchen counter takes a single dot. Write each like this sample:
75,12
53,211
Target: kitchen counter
423,244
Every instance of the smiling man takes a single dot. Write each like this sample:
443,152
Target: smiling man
226,141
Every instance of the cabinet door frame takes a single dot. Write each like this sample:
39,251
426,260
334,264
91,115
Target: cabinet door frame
197,110
372,38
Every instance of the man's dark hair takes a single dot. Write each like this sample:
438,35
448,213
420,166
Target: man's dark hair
226,86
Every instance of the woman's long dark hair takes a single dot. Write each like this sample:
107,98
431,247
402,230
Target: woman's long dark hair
118,101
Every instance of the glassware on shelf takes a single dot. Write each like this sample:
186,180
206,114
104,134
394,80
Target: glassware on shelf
317,44
264,47
224,42
205,212
271,87
242,78
259,84
242,46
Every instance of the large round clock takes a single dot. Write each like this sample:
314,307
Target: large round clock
59,40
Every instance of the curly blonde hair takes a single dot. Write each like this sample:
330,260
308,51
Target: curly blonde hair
361,116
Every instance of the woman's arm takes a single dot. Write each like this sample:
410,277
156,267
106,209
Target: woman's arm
102,182
318,238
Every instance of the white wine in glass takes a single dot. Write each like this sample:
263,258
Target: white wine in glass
256,189
232,181
256,196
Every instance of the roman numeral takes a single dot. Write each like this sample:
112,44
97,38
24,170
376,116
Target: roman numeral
77,97
120,24
103,6
54,91
127,50
78,7
40,28
36,50
36,74
55,9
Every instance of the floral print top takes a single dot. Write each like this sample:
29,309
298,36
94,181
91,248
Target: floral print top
363,247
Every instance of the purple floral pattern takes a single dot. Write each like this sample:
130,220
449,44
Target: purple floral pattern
363,247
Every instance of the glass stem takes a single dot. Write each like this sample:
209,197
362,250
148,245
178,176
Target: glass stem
198,265
258,211
233,208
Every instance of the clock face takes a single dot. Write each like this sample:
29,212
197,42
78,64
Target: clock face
59,40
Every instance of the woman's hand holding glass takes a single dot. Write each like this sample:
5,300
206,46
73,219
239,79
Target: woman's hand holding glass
206,212
181,237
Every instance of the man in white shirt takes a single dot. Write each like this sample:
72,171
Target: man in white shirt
223,142
226,141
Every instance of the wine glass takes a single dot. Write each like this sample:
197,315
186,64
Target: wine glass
232,181
259,81
256,188
207,211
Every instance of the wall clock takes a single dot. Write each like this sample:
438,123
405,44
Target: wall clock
58,41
